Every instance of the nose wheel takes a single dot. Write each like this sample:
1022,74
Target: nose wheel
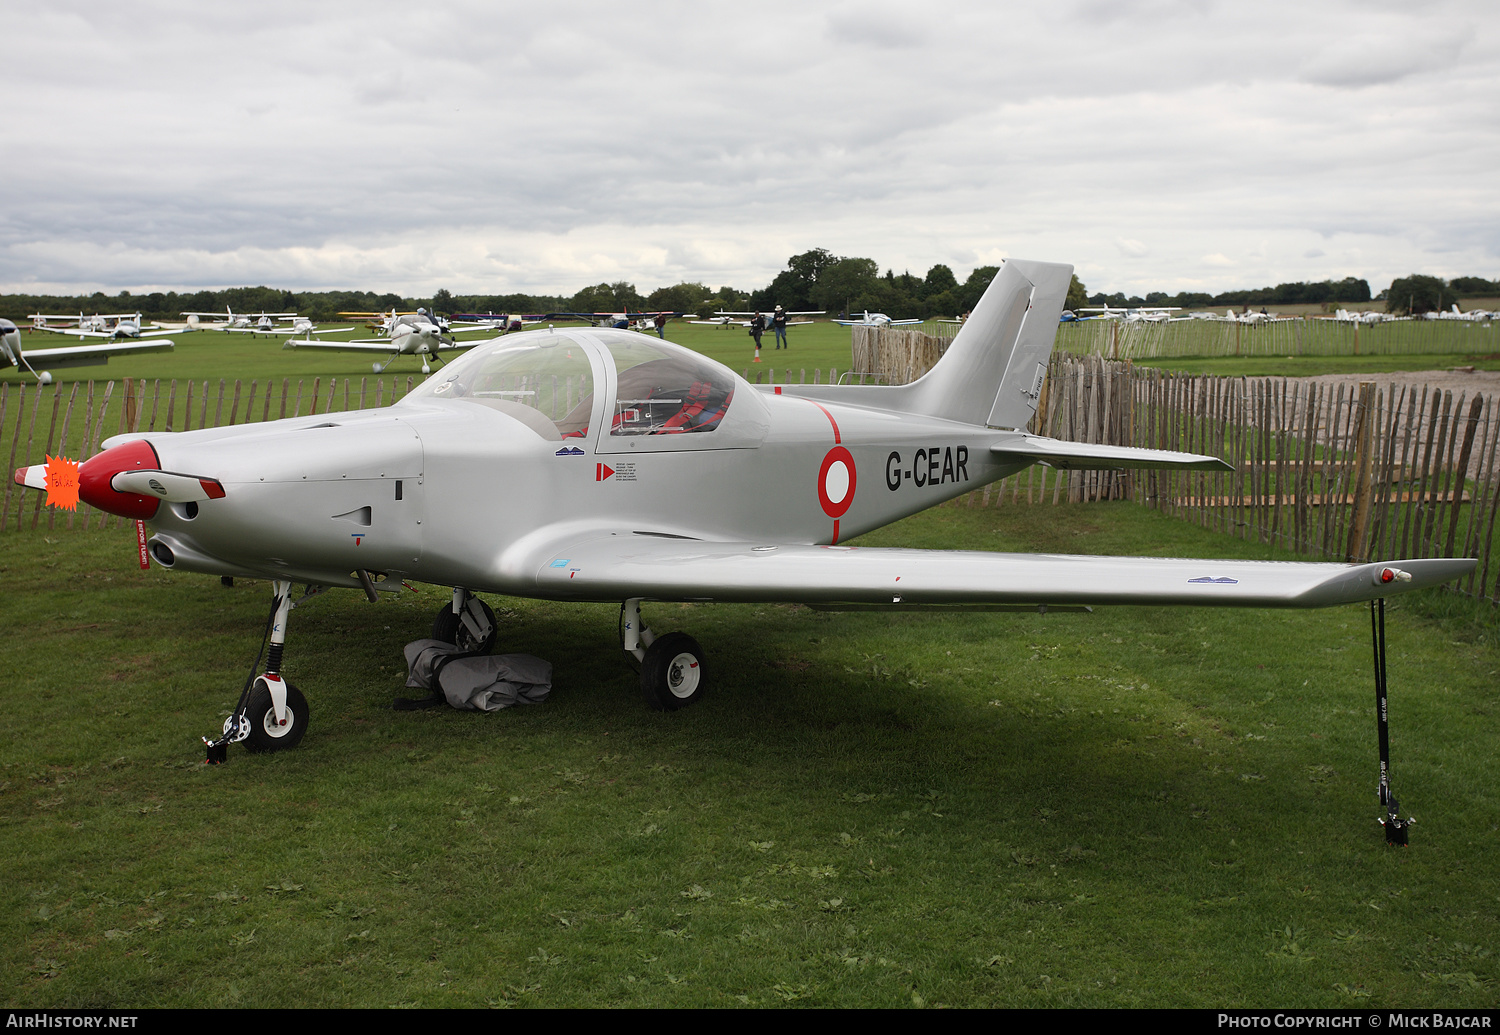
272,714
268,731
468,623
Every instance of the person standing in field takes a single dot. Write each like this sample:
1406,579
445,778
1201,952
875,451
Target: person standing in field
757,328
661,325
778,323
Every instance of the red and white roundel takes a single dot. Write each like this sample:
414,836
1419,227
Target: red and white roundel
836,482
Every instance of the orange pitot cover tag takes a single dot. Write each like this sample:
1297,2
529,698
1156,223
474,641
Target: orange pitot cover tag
62,483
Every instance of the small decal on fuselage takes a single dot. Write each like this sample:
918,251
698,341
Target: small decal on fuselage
621,472
1222,581
561,562
565,451
936,465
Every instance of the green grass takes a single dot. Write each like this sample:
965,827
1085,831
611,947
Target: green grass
1134,807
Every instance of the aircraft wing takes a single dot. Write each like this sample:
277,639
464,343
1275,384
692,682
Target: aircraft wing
353,345
605,566
1088,456
92,355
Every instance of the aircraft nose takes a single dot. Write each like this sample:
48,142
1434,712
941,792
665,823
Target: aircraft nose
95,474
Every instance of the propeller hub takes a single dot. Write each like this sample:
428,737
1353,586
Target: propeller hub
95,474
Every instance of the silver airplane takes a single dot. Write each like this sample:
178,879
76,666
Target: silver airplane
76,356
870,319
588,464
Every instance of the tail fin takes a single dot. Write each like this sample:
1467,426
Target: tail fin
992,373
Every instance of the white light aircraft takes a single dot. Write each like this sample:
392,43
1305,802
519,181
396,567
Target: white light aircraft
247,323
723,318
76,356
600,465
504,323
870,319
414,334
113,326
1131,314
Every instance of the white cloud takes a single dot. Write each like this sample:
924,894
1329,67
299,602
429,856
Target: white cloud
538,147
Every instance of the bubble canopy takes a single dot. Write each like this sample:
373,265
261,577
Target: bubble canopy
657,391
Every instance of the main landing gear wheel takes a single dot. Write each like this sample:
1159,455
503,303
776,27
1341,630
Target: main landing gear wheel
266,734
672,672
447,627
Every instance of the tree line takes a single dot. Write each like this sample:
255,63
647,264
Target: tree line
813,280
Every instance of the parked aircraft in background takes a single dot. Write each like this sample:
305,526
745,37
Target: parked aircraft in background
1472,316
244,323
113,326
723,318
1130,314
76,356
413,334
504,323
1368,316
870,319
620,321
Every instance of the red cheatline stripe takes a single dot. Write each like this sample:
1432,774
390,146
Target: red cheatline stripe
836,439
835,534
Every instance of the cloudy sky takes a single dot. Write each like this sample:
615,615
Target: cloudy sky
498,146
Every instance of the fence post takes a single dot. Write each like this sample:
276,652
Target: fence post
1364,472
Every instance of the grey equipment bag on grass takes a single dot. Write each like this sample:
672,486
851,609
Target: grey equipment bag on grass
475,683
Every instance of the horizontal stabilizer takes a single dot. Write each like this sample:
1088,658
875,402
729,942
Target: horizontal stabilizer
1089,456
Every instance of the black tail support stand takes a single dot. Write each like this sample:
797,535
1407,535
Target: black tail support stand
1395,826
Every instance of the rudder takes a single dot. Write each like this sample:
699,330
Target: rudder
992,373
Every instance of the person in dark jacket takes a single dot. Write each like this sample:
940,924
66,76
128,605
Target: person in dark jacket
757,328
778,323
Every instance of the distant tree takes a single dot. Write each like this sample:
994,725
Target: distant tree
1417,294
847,285
442,302
940,278
1474,287
680,298
1078,295
973,288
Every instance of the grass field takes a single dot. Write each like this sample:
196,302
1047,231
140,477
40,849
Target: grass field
1133,807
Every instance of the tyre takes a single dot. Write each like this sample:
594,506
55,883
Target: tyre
447,627
266,734
672,674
